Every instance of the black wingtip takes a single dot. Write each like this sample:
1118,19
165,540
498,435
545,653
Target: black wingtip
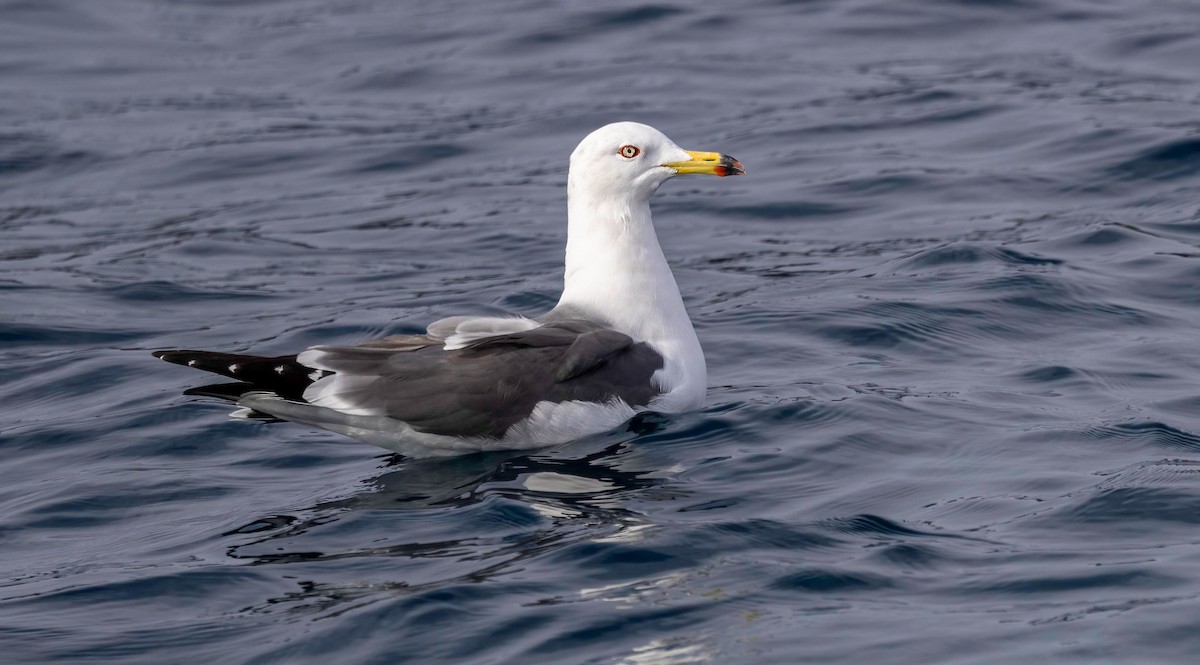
178,357
280,374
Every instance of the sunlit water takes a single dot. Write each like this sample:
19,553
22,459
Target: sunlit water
951,320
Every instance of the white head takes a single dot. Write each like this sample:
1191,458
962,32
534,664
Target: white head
627,161
615,269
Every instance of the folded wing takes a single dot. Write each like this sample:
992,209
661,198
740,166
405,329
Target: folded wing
489,385
491,379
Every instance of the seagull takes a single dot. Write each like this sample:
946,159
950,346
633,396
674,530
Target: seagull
618,342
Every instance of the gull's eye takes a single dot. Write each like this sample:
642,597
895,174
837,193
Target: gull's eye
629,151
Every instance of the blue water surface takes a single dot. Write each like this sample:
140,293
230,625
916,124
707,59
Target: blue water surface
952,320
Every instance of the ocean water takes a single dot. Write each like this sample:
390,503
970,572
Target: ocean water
952,321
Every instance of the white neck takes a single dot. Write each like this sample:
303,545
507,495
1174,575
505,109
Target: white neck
615,269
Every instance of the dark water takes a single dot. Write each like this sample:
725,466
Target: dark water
951,321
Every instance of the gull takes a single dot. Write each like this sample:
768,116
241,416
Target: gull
618,342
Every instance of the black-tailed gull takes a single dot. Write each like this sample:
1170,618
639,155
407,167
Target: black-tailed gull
618,342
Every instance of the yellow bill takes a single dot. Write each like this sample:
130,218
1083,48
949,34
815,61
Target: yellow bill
708,163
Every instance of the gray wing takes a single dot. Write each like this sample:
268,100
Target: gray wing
487,386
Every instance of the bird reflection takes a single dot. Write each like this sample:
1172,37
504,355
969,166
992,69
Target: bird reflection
577,493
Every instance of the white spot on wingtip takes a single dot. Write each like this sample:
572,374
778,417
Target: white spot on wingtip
234,368
192,363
